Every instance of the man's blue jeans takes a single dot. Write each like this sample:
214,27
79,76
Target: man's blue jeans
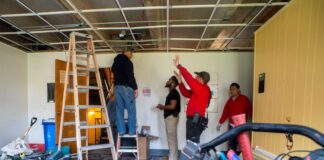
125,99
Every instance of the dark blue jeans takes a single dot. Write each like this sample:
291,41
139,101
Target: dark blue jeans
125,99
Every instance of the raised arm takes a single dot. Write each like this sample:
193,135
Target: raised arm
193,83
184,91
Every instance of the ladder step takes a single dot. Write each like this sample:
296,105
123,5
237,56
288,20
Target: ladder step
80,90
127,151
73,123
79,74
82,58
104,138
128,136
81,35
78,51
83,106
94,147
88,87
84,88
86,69
94,126
72,139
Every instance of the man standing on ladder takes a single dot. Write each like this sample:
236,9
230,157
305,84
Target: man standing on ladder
125,91
199,97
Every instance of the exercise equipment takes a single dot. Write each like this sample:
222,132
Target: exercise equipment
243,138
193,151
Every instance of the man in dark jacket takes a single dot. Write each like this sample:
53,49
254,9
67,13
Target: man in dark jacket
125,91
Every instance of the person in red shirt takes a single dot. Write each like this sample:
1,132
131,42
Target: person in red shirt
199,95
237,104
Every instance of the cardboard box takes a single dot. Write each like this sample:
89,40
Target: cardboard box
143,151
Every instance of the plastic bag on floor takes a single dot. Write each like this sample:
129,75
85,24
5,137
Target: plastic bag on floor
16,147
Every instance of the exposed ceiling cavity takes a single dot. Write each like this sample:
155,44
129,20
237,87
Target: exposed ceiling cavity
145,25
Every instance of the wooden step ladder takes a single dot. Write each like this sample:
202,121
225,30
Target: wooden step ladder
127,149
84,55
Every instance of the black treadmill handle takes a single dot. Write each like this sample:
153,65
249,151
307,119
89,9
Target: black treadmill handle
313,134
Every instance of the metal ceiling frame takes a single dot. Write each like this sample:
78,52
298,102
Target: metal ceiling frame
167,7
168,24
133,28
153,40
144,8
122,22
44,20
241,31
208,22
89,24
128,26
25,32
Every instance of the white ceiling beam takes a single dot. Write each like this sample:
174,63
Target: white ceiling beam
78,42
242,48
44,20
151,40
182,49
168,24
144,8
133,45
38,13
145,40
126,28
208,22
198,39
88,23
227,5
103,50
129,27
25,32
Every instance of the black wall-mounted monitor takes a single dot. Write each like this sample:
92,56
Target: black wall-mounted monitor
261,82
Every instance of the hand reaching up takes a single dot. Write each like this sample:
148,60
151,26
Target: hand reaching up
176,60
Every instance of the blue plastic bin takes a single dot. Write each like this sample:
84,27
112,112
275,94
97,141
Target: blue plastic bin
49,134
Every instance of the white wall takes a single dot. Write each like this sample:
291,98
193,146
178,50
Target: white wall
41,70
152,70
13,93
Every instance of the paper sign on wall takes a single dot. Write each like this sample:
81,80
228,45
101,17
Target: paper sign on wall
146,91
214,90
214,99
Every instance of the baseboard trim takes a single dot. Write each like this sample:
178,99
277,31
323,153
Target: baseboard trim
160,152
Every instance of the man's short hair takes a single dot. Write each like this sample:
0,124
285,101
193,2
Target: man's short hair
128,49
236,85
175,80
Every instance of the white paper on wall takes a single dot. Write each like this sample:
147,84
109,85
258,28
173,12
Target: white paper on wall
146,91
214,90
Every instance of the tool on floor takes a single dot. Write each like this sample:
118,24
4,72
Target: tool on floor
194,151
221,155
18,147
73,71
127,149
231,155
32,122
